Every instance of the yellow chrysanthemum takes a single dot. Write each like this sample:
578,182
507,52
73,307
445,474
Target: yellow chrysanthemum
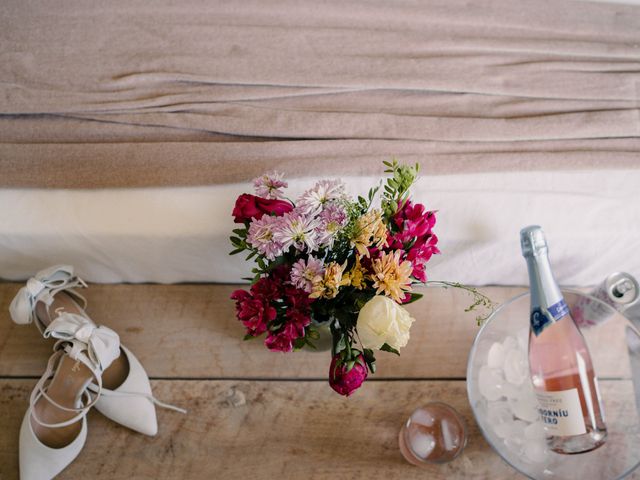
390,276
327,285
370,230
356,276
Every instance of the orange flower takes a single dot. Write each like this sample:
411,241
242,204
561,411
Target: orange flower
370,230
391,276
356,276
327,285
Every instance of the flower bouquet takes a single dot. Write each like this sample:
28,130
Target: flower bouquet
331,259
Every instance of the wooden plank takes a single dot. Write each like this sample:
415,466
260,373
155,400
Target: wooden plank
190,331
266,430
275,429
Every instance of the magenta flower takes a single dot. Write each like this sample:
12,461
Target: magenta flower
420,254
346,382
255,312
269,287
413,221
298,317
298,309
282,341
249,206
414,234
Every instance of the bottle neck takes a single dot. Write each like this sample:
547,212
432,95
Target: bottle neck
545,292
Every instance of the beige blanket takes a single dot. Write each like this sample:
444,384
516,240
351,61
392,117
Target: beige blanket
186,92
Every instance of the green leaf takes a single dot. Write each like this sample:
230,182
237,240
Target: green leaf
298,343
311,345
249,337
414,298
370,359
236,251
314,334
350,365
341,344
388,348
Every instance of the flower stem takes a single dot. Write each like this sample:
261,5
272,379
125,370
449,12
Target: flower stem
479,298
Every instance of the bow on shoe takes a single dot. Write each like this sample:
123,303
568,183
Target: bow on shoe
79,334
42,287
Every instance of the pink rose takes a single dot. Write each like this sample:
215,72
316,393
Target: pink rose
255,312
249,206
343,382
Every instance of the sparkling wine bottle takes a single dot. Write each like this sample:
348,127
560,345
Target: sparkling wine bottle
561,368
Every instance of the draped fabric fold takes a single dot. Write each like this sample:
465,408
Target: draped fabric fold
127,93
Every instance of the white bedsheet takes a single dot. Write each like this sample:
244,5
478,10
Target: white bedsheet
592,220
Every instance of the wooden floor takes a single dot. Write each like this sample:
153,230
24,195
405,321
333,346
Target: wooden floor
252,413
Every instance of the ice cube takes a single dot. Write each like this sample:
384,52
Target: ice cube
500,418
514,439
510,343
490,383
450,438
519,427
516,444
535,451
511,391
496,355
523,339
534,431
422,443
516,366
422,417
524,406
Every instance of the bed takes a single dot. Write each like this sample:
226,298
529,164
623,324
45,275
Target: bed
180,234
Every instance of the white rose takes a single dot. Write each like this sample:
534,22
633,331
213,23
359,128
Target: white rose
381,321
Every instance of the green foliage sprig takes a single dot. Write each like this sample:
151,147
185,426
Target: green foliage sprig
397,188
480,300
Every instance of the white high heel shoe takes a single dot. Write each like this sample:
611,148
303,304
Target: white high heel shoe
126,396
54,429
